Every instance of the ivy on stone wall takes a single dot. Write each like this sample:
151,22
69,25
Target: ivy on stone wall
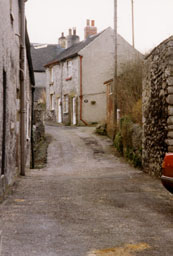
128,141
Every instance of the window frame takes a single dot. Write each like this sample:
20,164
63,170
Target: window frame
69,68
51,75
66,104
52,103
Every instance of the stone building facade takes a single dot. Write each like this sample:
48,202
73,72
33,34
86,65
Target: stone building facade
41,54
158,107
10,94
76,93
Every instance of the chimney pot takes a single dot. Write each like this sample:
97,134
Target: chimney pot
74,31
62,41
90,30
93,23
88,22
70,31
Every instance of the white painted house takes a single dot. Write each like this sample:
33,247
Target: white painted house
76,93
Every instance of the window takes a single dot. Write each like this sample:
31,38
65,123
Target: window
110,86
51,102
11,12
51,75
69,69
66,102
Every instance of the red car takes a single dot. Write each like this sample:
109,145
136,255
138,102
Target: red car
167,173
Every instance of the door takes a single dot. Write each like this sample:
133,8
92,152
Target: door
59,111
74,110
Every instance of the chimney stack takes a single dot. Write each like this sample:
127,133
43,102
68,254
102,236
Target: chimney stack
90,30
93,23
88,23
70,31
74,31
72,38
62,41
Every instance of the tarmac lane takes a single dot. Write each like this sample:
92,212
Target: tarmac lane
87,201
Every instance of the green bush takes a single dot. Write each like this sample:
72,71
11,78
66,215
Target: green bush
123,142
129,87
118,142
137,159
126,131
137,112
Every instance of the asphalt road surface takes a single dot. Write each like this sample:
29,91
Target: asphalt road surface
86,202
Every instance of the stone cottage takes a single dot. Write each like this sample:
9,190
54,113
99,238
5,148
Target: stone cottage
17,80
158,106
76,93
41,54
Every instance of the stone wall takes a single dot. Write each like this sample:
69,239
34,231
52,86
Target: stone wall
128,141
40,85
158,107
39,138
10,86
9,65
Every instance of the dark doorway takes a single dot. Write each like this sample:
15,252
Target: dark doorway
4,114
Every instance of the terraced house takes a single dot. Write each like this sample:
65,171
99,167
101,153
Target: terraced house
76,93
17,81
41,54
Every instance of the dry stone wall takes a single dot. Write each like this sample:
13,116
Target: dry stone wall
158,107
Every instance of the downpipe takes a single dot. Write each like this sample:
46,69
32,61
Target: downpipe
81,92
22,87
32,131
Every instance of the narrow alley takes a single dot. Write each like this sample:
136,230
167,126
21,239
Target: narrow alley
86,202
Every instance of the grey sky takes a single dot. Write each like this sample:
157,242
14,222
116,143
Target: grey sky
48,18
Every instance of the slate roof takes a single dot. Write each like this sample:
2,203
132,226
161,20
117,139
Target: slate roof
73,50
42,54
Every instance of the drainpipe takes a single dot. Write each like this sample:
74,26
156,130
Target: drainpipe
81,95
22,87
32,132
61,66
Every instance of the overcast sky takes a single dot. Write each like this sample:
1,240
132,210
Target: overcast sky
48,18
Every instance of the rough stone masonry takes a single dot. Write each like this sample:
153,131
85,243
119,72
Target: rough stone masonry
158,106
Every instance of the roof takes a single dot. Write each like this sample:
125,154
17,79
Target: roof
73,50
29,59
109,81
43,53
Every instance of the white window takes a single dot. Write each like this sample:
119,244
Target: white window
66,103
59,111
11,5
11,12
51,102
110,86
69,68
51,75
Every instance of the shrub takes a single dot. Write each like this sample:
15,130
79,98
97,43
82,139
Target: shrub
126,131
42,100
129,101
118,142
129,89
137,112
124,142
